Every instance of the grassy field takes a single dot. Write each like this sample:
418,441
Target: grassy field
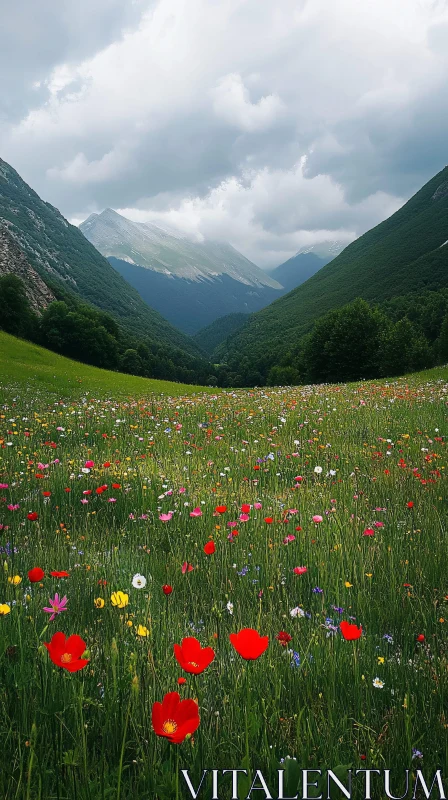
26,366
324,504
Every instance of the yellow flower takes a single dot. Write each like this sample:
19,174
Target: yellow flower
142,631
15,580
4,609
98,602
348,584
380,659
129,623
119,599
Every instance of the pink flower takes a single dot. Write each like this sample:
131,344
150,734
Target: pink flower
4,485
182,490
244,517
196,512
13,507
89,464
317,518
166,517
369,532
379,524
298,478
289,538
300,570
57,605
186,567
112,500
258,506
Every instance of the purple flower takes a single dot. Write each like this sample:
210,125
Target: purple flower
56,606
317,590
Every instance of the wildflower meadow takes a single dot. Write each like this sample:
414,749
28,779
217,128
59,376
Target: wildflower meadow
252,579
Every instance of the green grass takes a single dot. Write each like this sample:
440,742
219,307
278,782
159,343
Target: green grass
26,366
88,735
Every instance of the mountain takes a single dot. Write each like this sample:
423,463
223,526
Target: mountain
13,261
298,269
406,253
190,283
210,337
63,257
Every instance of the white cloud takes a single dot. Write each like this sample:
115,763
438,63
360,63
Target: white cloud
266,124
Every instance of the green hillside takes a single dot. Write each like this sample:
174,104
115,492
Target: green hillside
63,257
25,366
406,253
212,335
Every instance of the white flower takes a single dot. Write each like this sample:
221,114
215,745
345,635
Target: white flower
378,684
318,470
229,607
297,612
85,470
139,581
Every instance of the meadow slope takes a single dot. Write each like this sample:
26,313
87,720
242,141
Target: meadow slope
294,512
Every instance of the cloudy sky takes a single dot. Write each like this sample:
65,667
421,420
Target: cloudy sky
272,124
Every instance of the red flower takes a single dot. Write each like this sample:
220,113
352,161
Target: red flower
421,637
284,638
256,466
249,644
46,494
167,589
60,574
269,520
192,657
175,718
35,575
101,489
410,504
67,652
116,486
350,632
186,567
106,464
32,516
221,509
181,681
245,508
209,548
67,489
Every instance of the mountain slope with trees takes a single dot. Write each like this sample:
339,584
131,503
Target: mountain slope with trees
64,258
406,253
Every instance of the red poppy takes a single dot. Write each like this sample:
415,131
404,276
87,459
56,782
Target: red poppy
167,589
350,632
35,575
181,681
101,489
269,520
116,486
256,466
221,509
175,718
106,464
421,637
32,516
46,494
209,548
410,504
60,574
192,657
284,638
245,508
249,644
67,489
67,652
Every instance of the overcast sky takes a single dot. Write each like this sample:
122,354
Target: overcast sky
272,124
